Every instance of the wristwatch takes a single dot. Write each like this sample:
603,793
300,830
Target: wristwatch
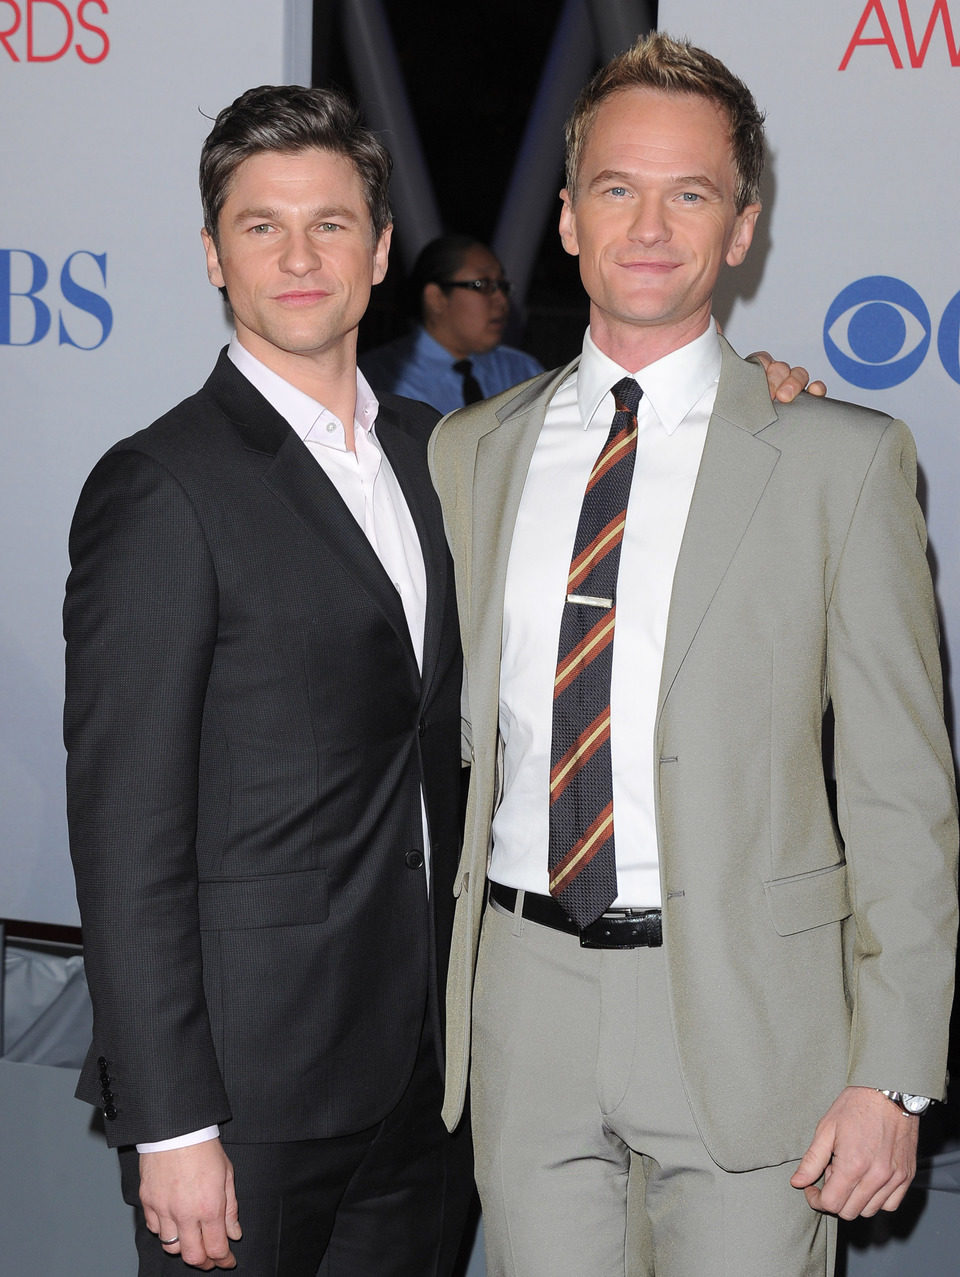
912,1105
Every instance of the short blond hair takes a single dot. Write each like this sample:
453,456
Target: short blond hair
659,62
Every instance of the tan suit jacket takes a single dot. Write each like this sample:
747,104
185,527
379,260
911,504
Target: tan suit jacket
804,952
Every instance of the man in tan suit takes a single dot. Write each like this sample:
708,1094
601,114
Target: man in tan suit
704,1025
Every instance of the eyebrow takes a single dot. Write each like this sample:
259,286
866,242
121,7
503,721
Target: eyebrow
698,179
610,175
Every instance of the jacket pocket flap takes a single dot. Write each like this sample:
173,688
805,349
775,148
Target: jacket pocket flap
275,900
808,900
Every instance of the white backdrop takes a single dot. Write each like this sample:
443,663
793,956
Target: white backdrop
855,270
106,318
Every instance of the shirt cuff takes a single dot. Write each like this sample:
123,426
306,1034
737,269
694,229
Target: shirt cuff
181,1141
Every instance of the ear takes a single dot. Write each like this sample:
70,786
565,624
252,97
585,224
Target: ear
214,273
381,254
742,236
434,301
568,225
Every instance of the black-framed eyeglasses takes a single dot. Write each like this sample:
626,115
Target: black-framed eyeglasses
486,286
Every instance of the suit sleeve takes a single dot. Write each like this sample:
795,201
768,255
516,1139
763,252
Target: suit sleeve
895,782
140,621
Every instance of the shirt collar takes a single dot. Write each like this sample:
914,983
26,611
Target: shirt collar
671,385
299,410
428,349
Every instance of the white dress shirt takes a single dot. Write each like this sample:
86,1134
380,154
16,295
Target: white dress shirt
371,492
679,391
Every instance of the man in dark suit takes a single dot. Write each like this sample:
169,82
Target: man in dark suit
262,720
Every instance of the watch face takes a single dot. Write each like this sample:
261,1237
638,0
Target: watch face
915,1103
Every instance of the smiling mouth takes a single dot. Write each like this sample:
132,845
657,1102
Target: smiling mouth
304,298
657,267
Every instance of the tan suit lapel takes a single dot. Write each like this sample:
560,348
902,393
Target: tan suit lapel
734,471
503,458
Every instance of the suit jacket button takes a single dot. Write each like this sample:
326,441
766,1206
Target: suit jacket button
110,1113
414,859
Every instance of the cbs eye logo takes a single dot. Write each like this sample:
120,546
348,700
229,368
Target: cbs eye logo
877,333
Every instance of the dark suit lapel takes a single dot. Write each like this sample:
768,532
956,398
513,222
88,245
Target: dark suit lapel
297,480
407,457
734,470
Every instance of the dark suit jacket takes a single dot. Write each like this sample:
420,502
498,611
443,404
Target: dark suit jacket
248,734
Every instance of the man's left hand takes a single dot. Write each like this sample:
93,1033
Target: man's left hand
786,383
866,1150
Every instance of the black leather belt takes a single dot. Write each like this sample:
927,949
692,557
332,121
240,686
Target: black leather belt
618,929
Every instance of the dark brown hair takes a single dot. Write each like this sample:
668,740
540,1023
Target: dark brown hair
291,118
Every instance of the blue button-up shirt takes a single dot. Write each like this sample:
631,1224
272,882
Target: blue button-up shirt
419,367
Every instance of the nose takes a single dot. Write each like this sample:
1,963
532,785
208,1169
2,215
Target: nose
499,302
300,253
649,225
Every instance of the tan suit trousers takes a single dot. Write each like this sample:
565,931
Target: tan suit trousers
588,1159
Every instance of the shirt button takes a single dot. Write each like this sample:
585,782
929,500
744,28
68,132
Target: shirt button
331,426
414,859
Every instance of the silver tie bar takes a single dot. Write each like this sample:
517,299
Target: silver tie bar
590,600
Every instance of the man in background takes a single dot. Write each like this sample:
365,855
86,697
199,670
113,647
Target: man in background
706,1012
453,356
262,723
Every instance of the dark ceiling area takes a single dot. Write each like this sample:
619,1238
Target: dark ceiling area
471,73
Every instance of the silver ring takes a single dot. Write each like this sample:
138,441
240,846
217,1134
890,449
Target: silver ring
170,1241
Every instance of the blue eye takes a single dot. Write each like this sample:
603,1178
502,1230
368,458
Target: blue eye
877,332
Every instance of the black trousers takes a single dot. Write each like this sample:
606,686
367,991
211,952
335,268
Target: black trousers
390,1201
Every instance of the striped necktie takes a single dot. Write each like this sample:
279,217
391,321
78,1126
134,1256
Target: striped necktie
582,860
